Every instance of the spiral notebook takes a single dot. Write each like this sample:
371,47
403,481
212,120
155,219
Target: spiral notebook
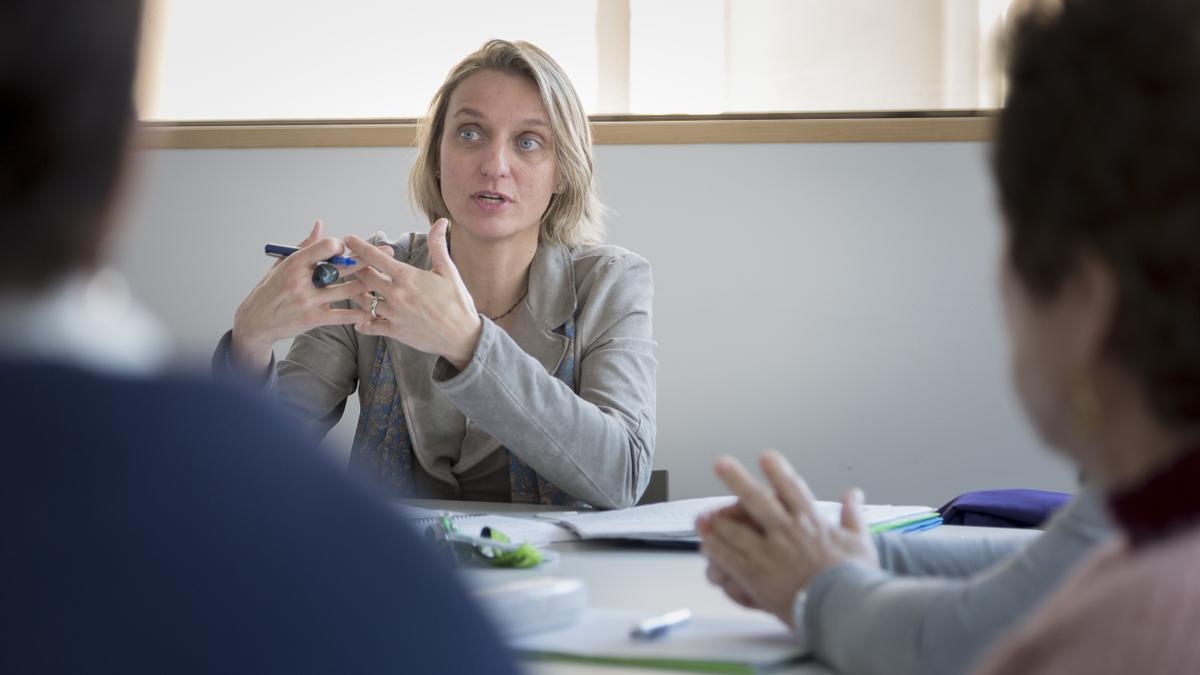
419,516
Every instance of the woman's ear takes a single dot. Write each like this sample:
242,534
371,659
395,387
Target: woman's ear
1090,298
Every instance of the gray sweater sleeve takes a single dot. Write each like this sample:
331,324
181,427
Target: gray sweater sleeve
866,620
940,554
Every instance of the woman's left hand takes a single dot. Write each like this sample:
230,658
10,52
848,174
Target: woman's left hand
765,562
426,310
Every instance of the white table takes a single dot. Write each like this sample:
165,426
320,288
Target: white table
647,579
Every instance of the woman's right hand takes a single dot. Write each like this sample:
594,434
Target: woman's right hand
768,548
285,302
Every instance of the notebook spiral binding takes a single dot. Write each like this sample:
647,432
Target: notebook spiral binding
431,519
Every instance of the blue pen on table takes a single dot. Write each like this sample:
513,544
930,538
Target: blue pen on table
658,625
281,251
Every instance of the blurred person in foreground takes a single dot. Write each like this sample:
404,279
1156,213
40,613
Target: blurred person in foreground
154,522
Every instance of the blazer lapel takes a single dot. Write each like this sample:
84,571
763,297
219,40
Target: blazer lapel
433,421
551,301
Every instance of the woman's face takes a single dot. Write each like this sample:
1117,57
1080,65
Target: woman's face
1035,373
1052,341
498,169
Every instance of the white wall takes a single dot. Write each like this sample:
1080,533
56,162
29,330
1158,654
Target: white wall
834,301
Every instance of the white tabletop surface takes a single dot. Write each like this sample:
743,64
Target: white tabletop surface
647,579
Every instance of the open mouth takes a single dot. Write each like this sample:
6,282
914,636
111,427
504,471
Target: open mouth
491,197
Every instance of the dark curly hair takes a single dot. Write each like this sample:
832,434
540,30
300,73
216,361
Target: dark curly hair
1098,152
66,108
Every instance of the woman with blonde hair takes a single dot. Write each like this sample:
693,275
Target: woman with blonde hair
506,355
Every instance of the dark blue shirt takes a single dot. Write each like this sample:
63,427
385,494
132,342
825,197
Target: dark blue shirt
177,525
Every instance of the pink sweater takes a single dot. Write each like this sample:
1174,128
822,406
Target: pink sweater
1126,610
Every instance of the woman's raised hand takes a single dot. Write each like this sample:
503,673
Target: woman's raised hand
769,546
285,302
431,311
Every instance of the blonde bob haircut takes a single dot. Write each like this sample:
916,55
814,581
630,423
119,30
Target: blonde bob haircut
574,215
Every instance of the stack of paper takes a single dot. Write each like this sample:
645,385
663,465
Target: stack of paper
745,644
676,521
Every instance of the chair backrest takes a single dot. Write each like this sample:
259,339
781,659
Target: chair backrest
659,488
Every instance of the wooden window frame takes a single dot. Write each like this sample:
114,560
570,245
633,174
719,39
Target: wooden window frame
885,127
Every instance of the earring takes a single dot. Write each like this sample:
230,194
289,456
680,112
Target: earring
1085,403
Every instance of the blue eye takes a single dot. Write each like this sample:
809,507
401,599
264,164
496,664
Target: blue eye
469,135
529,143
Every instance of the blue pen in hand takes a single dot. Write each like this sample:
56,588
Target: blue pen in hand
324,273
281,251
659,625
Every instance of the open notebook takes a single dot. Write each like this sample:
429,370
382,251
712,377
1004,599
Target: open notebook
666,522
676,521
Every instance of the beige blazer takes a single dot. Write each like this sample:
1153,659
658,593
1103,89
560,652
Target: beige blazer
596,443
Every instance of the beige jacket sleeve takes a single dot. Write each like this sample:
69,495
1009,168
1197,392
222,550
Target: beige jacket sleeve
313,381
597,445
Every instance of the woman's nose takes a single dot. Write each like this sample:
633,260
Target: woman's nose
496,162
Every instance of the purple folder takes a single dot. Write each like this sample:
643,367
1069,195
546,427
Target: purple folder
1003,508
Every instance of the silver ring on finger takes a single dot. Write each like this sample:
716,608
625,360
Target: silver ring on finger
374,305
